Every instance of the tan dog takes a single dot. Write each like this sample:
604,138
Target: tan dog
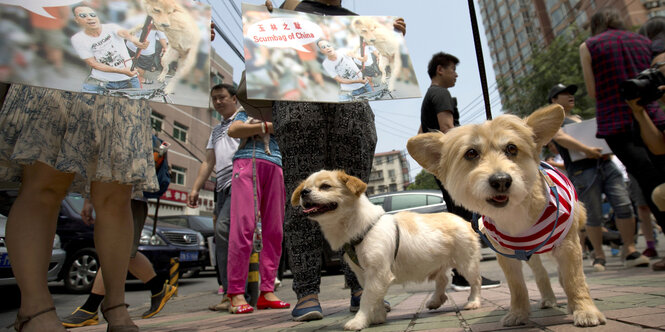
183,36
427,247
385,42
492,168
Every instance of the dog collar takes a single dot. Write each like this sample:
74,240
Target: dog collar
350,247
558,185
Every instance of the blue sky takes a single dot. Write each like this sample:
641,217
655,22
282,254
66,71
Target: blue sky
432,26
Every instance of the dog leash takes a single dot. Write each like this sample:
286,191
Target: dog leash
258,233
350,247
521,254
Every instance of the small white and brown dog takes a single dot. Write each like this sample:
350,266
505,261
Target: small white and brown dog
382,249
493,168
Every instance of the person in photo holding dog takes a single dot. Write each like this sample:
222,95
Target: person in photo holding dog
102,47
341,67
439,113
219,154
315,136
613,55
592,177
257,214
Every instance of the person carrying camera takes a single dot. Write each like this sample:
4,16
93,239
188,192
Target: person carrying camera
613,55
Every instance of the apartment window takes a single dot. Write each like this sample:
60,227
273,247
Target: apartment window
391,173
180,131
378,160
376,175
156,121
178,175
393,187
370,192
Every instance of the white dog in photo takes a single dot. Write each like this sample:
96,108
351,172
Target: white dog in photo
386,249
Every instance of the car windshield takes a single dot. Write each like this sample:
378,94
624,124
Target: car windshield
205,221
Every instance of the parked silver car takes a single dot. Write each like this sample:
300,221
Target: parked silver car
420,201
7,276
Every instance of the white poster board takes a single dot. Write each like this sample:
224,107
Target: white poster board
585,132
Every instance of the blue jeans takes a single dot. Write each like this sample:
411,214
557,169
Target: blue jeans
130,83
591,183
346,96
222,225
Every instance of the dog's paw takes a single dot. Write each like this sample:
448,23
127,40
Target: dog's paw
547,303
588,318
436,301
161,78
514,318
379,316
356,324
471,305
267,151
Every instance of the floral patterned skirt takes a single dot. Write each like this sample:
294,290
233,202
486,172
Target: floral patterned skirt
95,137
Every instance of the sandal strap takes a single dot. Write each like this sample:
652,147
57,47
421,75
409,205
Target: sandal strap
21,321
105,310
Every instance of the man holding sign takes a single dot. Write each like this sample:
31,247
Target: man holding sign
102,47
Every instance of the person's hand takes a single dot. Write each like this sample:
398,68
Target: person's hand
142,45
86,213
269,5
212,30
193,199
635,106
593,153
129,72
399,25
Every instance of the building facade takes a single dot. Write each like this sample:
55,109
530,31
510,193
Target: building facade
515,28
188,129
390,172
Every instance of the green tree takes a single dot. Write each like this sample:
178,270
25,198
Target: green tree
424,180
558,63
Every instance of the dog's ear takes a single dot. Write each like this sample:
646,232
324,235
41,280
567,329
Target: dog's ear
426,150
356,185
545,122
295,197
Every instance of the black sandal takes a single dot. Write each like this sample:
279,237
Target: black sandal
21,321
118,328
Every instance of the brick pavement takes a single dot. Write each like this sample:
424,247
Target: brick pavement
631,299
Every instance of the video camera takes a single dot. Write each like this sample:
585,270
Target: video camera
644,86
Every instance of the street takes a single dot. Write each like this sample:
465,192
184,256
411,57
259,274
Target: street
633,299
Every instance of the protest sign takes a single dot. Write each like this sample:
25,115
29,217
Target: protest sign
304,57
110,47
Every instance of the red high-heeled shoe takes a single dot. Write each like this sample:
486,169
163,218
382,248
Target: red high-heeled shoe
262,303
239,309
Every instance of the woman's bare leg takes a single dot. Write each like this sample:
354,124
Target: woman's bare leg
113,241
30,230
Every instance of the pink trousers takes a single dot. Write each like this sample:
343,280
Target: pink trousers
271,199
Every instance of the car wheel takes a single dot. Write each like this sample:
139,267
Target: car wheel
80,270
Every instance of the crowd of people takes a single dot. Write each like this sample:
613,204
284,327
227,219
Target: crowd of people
54,142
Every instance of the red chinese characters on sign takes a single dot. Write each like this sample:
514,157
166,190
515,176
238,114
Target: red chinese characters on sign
175,196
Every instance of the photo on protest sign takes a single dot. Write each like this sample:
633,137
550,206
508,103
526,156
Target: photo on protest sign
110,47
305,57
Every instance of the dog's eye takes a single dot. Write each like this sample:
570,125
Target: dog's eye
324,186
471,154
511,150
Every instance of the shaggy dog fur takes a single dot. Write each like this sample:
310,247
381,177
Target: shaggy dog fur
465,159
183,36
430,245
385,42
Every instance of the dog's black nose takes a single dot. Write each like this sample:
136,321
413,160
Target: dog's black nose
305,192
500,181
